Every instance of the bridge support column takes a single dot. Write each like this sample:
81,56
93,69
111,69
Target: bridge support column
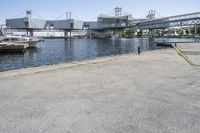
70,34
29,32
26,32
151,33
142,32
195,31
67,34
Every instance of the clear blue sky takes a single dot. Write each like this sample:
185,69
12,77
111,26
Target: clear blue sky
89,9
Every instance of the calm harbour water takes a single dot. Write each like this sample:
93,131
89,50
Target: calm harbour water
53,51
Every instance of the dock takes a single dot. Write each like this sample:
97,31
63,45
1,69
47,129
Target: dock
12,47
156,91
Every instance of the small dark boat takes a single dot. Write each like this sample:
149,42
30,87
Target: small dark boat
163,44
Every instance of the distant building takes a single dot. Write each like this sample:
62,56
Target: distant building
114,21
31,23
92,25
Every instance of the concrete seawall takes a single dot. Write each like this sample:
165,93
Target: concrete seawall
157,91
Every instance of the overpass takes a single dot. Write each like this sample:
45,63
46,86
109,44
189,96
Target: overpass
173,21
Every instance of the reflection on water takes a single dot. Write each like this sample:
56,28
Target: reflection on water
61,50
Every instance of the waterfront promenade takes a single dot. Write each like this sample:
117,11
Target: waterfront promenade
155,92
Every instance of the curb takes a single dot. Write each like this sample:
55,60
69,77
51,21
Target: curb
180,53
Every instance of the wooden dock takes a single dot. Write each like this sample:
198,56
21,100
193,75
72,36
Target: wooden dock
12,47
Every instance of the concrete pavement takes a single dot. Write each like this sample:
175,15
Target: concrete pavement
155,92
191,51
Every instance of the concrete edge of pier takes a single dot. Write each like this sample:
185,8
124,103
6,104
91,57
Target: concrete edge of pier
54,67
180,52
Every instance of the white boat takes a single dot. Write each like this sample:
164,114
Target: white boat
11,43
1,36
29,41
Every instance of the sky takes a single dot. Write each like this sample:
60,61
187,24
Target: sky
90,9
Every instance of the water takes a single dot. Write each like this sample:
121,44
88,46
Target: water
54,51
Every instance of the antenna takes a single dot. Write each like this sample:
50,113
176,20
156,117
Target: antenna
28,13
118,11
151,14
68,15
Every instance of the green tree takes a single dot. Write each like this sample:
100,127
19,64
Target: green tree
128,33
159,32
187,32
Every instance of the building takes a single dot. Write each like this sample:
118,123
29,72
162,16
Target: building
31,24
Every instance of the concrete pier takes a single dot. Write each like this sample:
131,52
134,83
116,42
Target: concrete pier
191,52
155,92
13,47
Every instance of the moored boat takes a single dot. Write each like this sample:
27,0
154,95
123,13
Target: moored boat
32,42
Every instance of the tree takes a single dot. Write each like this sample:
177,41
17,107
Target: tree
187,32
159,32
129,33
